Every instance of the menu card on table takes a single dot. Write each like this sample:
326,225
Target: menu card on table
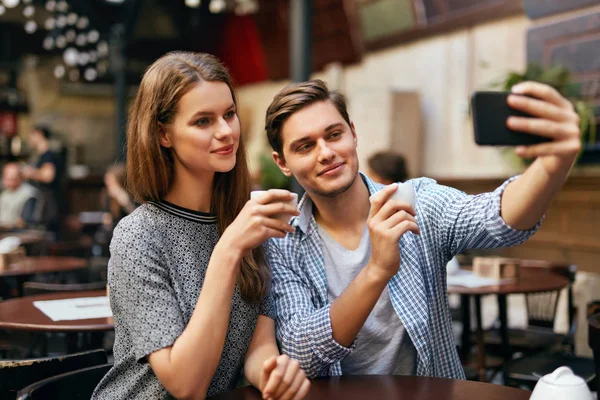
73,309
471,280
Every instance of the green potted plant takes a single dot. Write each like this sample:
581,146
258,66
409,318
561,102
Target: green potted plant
559,78
271,176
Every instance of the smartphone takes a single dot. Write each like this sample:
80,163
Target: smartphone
490,111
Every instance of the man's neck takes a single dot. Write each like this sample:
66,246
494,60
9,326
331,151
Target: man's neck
346,212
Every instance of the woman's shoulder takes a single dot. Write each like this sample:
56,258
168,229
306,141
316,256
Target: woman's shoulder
141,222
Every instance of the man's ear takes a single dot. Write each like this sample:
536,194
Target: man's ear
354,133
165,140
280,161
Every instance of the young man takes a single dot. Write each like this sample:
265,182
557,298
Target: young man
360,286
46,175
18,200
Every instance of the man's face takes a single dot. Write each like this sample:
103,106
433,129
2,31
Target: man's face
319,149
33,138
11,178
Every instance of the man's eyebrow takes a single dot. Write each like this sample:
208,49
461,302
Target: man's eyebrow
301,140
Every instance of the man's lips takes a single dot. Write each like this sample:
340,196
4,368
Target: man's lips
331,168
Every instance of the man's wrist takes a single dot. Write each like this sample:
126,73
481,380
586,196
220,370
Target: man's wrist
376,275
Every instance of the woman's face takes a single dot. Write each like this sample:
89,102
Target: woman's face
205,133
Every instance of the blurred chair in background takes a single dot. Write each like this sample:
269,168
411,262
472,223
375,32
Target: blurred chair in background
17,374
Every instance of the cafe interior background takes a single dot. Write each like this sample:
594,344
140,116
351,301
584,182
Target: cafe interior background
407,67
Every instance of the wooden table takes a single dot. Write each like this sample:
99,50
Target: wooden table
29,266
383,387
43,264
19,314
530,281
27,236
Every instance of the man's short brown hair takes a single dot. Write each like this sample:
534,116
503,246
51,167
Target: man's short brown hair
294,98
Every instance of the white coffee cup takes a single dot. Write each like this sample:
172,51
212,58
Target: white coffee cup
561,384
405,193
255,194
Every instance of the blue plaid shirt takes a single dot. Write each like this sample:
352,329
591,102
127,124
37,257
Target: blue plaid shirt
450,222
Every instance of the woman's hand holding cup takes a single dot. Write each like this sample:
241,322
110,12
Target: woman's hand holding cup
264,216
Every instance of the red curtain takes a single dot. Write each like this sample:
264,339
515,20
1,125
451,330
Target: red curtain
242,51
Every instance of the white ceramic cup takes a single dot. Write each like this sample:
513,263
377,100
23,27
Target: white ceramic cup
405,193
255,194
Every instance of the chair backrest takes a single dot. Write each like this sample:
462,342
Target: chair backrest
16,374
541,307
33,288
73,385
594,336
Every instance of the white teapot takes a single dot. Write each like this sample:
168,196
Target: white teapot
562,384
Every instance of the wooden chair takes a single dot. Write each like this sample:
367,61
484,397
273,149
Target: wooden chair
539,334
526,371
17,374
33,288
75,385
594,338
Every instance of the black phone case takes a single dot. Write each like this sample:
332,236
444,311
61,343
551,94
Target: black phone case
490,111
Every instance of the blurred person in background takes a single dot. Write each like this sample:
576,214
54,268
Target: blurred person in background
387,167
117,200
46,175
187,274
116,203
19,205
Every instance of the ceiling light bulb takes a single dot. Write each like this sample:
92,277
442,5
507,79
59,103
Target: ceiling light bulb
81,39
50,5
102,49
74,75
10,3
2,9
217,6
72,18
71,56
61,21
59,71
48,43
70,35
192,3
29,11
90,74
84,58
62,6
93,36
49,24
83,22
30,27
61,42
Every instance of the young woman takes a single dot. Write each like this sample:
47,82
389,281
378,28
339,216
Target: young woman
187,275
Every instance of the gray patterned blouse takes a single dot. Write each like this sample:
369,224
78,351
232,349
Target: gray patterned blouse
159,256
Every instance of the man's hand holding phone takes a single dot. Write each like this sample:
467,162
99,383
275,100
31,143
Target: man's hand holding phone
553,117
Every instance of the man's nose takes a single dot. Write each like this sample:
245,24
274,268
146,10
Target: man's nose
325,152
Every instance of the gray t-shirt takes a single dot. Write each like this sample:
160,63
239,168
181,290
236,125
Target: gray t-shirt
159,257
382,345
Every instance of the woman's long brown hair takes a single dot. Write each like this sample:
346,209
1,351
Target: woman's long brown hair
150,166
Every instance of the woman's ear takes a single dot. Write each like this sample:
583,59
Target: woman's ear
165,140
